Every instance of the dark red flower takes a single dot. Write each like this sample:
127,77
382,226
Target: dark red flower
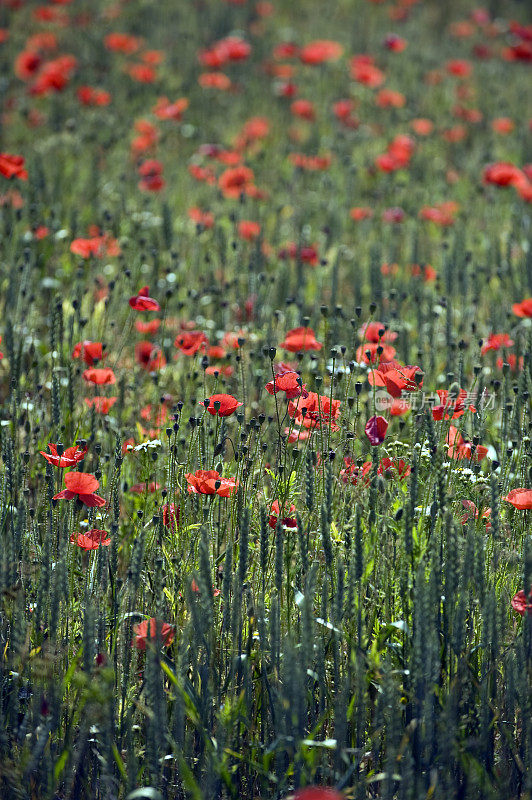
375,430
286,521
521,603
81,485
170,515
353,473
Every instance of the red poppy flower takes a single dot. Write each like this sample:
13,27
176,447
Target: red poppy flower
317,793
146,633
190,342
227,405
68,458
497,340
459,68
360,213
311,163
13,166
122,43
99,376
352,473
236,181
472,512
215,80
524,308
394,468
364,71
102,404
287,381
299,339
203,218
396,378
459,448
450,406
502,173
147,327
91,540
368,353
90,352
441,214
389,98
151,176
287,522
375,430
164,109
142,73
143,302
521,603
520,498
303,109
395,43
81,485
422,126
377,332
395,215
308,254
209,481
27,64
170,515
248,230
315,411
319,51
91,96
145,488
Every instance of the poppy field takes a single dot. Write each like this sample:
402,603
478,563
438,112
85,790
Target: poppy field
265,400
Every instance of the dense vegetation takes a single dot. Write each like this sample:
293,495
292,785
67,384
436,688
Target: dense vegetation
265,400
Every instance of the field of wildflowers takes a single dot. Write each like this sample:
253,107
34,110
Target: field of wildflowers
265,400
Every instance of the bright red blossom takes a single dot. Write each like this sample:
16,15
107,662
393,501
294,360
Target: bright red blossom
81,486
143,302
68,458
222,405
209,481
91,540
